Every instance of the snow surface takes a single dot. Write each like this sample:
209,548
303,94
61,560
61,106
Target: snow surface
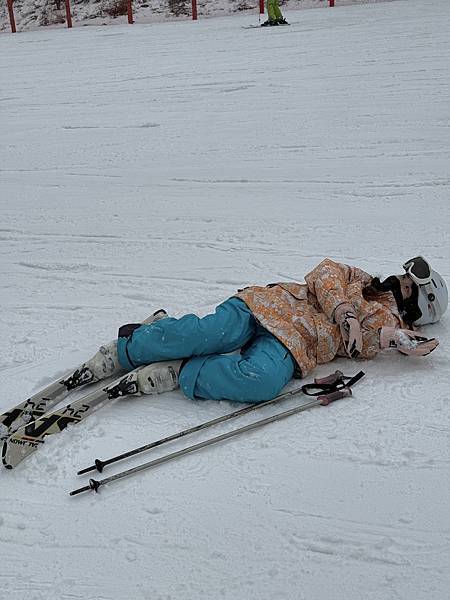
34,13
168,165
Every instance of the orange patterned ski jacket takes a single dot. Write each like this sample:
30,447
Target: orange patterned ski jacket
301,315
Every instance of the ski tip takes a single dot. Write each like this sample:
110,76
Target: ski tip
4,452
156,316
16,448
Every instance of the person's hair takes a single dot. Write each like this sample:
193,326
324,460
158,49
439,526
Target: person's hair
374,291
378,291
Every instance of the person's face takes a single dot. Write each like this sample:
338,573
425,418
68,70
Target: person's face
406,284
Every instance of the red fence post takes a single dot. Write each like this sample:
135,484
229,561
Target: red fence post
12,20
261,7
68,15
194,10
130,12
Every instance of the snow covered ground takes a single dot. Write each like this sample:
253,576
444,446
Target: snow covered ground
168,165
34,13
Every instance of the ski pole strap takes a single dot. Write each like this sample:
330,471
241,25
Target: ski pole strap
332,383
354,379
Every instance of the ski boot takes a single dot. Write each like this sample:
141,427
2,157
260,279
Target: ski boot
105,362
269,23
151,379
159,377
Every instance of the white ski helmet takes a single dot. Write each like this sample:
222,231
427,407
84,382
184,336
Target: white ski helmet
432,295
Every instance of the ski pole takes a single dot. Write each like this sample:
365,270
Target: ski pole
327,383
323,400
101,464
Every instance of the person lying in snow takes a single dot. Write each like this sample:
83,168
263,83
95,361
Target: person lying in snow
281,331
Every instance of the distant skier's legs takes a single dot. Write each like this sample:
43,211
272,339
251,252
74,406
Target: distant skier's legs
273,10
275,16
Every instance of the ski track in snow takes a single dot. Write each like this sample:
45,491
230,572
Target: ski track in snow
166,166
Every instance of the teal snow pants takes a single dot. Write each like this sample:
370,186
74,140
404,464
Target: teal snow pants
257,373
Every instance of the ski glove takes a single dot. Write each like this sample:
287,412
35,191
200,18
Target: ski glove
406,341
346,318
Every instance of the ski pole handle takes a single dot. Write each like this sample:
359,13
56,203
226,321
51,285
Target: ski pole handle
326,399
330,379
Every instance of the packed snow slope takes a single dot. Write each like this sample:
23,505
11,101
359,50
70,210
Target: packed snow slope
34,13
168,165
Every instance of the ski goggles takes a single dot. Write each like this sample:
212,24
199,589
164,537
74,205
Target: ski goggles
419,270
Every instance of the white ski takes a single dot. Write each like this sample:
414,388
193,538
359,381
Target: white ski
28,438
37,405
